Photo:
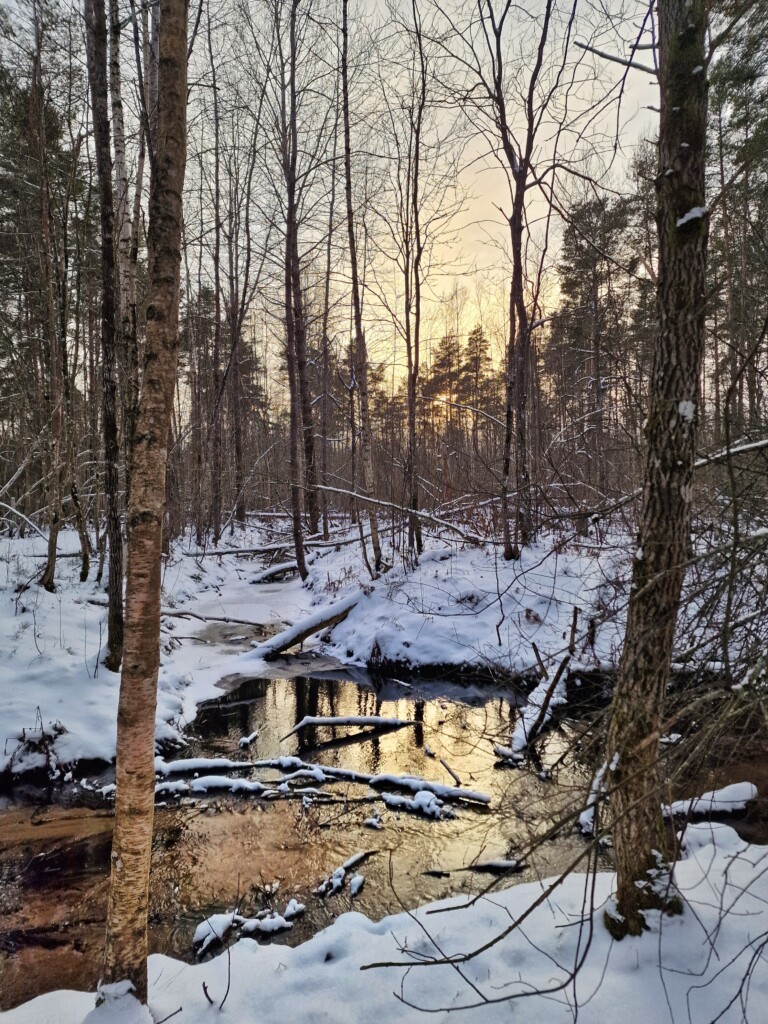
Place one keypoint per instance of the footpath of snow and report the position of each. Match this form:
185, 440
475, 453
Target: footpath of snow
708, 964
461, 605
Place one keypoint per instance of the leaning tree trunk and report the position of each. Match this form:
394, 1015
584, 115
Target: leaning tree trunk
640, 839
96, 23
126, 946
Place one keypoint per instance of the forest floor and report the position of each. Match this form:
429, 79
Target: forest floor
462, 606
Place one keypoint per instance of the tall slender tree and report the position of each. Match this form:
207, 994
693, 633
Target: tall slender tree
96, 27
126, 945
641, 842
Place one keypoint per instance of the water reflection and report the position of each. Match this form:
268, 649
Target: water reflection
212, 852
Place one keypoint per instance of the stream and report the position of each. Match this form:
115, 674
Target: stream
215, 851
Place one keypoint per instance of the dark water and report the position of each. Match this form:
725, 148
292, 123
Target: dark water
216, 851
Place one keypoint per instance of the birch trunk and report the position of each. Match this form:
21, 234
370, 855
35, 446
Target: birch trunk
126, 943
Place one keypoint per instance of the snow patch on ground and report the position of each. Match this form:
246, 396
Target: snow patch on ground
700, 966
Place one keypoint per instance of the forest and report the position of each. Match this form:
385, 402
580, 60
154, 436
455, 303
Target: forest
383, 511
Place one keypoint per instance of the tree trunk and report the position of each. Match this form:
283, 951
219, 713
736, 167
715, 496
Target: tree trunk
360, 348
216, 425
640, 838
326, 371
126, 944
96, 23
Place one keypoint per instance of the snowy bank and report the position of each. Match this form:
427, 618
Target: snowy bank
710, 963
460, 606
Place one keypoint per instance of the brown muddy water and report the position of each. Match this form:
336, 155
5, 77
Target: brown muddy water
217, 851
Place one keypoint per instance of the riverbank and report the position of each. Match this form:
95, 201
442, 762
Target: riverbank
462, 607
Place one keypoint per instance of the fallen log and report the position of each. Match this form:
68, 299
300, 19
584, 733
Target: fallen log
326, 617
274, 570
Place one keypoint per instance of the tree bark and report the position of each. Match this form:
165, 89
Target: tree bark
360, 348
640, 839
126, 943
96, 23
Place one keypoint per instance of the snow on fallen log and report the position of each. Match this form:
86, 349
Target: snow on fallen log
209, 782
324, 618
535, 715
274, 570
417, 785
197, 764
264, 925
214, 929
294, 769
303, 769
335, 881
717, 801
423, 802
246, 741
294, 909
375, 720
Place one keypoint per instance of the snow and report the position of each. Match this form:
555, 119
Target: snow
289, 637
695, 213
700, 966
213, 929
356, 885
246, 741
523, 732
423, 802
118, 1006
265, 925
196, 764
462, 606
686, 410
293, 909
498, 866
209, 782
587, 816
717, 801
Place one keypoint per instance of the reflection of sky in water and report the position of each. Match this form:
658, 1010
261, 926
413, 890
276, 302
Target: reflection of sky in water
217, 850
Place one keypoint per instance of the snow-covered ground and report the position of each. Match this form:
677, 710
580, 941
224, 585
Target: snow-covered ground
462, 605
709, 964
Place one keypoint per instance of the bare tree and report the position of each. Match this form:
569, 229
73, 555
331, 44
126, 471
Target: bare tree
641, 841
360, 348
96, 25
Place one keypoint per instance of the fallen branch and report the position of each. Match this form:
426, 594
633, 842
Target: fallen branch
543, 714
451, 772
470, 538
266, 549
173, 613
270, 549
376, 720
